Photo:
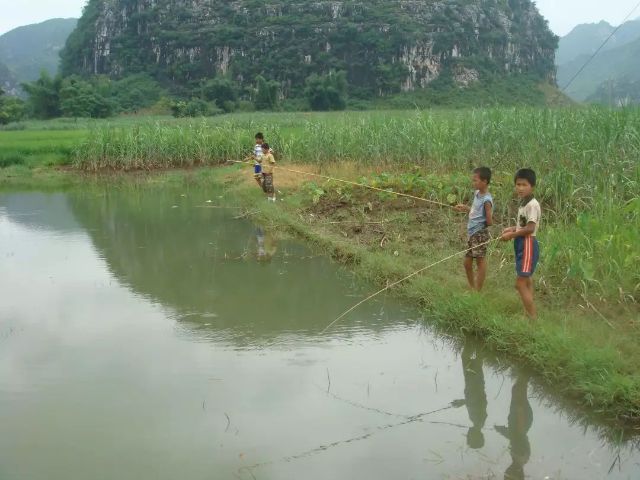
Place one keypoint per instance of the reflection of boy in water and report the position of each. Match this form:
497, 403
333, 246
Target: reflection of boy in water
266, 246
520, 421
475, 397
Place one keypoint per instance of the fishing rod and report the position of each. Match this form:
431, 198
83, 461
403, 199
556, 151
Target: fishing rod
349, 182
417, 272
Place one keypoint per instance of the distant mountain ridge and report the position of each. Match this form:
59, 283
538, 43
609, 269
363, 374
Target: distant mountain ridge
618, 63
586, 38
28, 50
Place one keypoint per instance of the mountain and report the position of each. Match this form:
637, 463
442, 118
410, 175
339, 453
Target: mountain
620, 93
28, 50
619, 65
616, 64
8, 82
383, 46
586, 38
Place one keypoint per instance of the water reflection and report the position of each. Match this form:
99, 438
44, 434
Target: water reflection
198, 262
40, 211
518, 424
475, 397
267, 246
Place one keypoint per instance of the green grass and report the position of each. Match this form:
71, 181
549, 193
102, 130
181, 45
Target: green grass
586, 157
38, 148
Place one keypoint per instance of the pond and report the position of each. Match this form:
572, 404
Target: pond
153, 335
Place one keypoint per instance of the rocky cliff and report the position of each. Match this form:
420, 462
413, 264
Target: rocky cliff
385, 46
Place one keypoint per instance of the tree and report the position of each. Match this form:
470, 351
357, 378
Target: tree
196, 107
135, 92
80, 98
222, 91
266, 93
327, 92
11, 109
44, 96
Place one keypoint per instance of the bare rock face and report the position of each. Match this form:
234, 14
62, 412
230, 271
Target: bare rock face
385, 46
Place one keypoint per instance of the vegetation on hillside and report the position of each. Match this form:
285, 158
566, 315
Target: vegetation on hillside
28, 50
8, 81
387, 55
11, 109
585, 39
100, 97
283, 55
620, 93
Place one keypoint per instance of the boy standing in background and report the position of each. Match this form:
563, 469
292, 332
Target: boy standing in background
268, 164
480, 219
524, 235
257, 157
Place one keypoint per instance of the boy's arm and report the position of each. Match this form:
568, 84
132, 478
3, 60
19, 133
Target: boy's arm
488, 212
511, 233
462, 208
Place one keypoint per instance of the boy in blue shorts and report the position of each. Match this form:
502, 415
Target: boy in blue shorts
257, 158
480, 219
524, 235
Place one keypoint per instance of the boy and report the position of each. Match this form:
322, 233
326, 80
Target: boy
257, 157
268, 164
524, 236
480, 219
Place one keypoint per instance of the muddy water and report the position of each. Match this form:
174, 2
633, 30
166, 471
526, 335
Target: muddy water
143, 337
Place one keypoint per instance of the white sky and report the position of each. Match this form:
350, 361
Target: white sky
563, 15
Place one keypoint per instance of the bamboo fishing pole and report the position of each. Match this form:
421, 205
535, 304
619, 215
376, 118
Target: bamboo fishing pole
417, 272
349, 182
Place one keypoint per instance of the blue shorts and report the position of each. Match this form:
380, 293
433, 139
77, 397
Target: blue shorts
527, 255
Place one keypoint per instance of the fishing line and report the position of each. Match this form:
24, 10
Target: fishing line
349, 182
417, 272
601, 47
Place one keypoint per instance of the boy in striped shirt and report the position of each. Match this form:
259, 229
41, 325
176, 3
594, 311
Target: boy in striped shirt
257, 158
524, 235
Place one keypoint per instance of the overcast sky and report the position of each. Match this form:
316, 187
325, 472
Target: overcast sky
563, 15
